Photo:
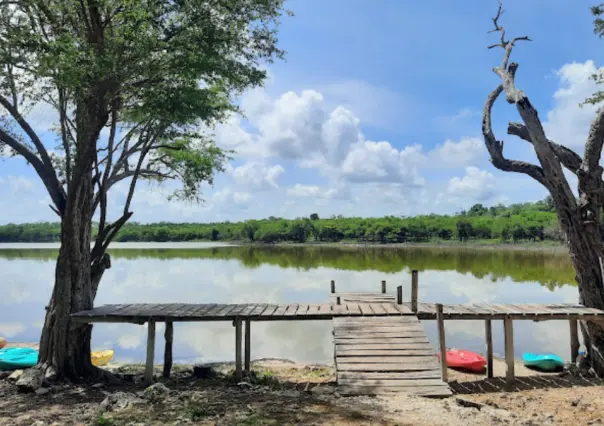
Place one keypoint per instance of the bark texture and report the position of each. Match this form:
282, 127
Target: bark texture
579, 215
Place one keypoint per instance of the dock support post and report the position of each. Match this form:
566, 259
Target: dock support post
238, 372
150, 352
169, 336
333, 286
399, 295
383, 287
441, 338
414, 290
508, 332
574, 340
338, 300
489, 341
248, 340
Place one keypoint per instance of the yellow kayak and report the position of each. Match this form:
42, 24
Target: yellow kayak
100, 358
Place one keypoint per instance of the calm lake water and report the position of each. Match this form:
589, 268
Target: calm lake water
206, 273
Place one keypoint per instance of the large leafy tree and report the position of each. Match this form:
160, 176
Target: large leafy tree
131, 82
579, 216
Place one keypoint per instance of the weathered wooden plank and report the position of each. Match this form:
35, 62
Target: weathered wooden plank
339, 310
270, 309
384, 376
383, 352
351, 345
377, 308
436, 391
394, 359
238, 309
354, 309
259, 309
344, 366
313, 309
225, 311
381, 340
359, 334
280, 310
392, 383
325, 308
390, 309
292, 310
213, 311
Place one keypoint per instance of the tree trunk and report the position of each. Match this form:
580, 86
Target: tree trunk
585, 248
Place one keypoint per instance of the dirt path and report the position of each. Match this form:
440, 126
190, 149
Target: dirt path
283, 393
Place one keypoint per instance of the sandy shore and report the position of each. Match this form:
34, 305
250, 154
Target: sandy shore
284, 393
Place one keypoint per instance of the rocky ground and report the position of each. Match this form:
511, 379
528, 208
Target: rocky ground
284, 393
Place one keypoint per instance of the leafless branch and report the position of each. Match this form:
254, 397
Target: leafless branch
495, 147
65, 136
569, 158
503, 43
595, 140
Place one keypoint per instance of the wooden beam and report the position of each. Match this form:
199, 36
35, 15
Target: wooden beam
238, 371
508, 332
399, 295
489, 341
574, 340
248, 349
333, 286
338, 300
150, 352
441, 339
383, 287
169, 336
414, 290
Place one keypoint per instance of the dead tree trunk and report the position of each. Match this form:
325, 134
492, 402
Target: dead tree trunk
579, 216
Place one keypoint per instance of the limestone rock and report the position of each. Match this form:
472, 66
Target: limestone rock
30, 381
155, 391
15, 375
119, 401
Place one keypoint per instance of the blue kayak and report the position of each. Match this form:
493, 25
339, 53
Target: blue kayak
544, 362
15, 358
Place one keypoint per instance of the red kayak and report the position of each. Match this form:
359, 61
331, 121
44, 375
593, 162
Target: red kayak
465, 360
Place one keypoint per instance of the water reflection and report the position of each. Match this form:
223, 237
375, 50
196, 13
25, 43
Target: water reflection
178, 273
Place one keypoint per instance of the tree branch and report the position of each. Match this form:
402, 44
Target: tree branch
569, 158
593, 146
495, 147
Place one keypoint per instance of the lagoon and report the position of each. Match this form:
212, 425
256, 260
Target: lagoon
221, 273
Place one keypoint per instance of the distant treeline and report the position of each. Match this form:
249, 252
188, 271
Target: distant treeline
515, 223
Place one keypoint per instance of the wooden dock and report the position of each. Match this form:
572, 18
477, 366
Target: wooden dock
379, 343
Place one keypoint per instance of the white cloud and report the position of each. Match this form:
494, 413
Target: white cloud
567, 123
381, 162
475, 185
257, 176
463, 153
18, 185
299, 190
11, 329
315, 191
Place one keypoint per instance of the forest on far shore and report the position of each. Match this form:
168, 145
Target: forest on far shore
514, 223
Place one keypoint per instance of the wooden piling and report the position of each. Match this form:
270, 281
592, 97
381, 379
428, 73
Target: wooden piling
338, 301
150, 352
333, 286
248, 340
440, 321
574, 340
489, 343
399, 295
414, 289
169, 336
238, 371
508, 332
383, 287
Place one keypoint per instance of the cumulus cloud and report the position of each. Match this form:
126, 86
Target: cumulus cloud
567, 123
315, 191
475, 185
381, 162
257, 176
459, 154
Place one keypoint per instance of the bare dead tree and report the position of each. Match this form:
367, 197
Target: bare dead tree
579, 217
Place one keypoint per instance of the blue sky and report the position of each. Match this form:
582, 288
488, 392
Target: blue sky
376, 111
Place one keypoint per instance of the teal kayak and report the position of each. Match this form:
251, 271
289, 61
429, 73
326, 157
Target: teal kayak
544, 362
15, 358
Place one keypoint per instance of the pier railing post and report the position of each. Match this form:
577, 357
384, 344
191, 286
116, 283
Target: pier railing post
508, 332
489, 341
399, 295
150, 352
383, 287
442, 343
169, 336
414, 289
238, 372
338, 301
248, 341
333, 286
574, 340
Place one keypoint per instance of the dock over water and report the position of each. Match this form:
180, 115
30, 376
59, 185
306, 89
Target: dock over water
379, 341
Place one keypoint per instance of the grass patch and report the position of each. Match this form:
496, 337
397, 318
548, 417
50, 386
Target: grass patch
101, 420
256, 420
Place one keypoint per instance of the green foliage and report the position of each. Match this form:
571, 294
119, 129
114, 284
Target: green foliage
598, 77
515, 223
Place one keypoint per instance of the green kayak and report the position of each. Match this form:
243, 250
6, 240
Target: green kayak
15, 358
